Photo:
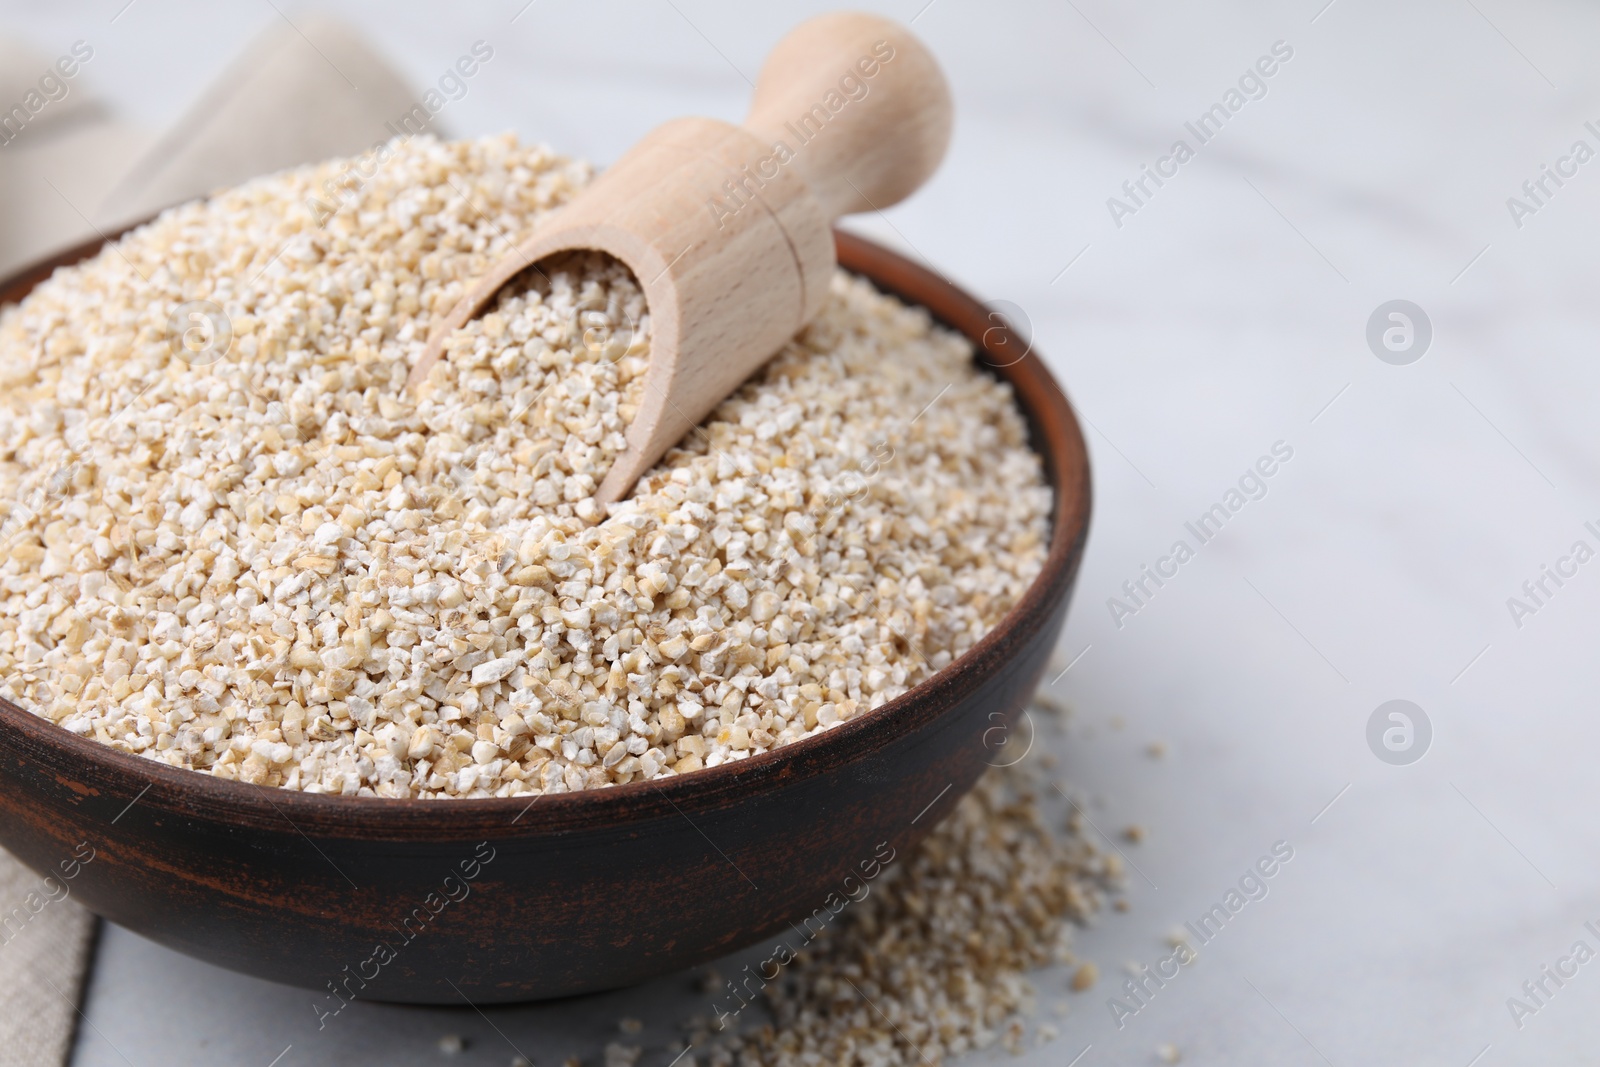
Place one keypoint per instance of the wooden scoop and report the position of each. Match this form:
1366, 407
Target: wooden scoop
728, 228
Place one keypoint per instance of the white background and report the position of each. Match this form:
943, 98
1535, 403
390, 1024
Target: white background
1224, 316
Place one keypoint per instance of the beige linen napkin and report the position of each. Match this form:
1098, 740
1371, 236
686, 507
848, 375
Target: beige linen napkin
302, 92
58, 164
44, 956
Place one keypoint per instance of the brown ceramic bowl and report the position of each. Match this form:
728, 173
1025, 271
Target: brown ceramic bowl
499, 900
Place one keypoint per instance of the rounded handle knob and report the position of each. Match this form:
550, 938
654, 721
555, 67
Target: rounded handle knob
861, 106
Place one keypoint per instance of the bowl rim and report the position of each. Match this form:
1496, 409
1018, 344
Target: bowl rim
1055, 436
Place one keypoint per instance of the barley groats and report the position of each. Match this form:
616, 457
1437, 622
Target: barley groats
930, 962
275, 564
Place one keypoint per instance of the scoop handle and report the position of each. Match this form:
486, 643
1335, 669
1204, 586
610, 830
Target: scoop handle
860, 106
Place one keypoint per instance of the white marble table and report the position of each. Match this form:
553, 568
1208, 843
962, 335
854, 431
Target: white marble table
1227, 312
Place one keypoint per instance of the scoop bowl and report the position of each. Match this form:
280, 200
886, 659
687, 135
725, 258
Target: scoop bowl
498, 900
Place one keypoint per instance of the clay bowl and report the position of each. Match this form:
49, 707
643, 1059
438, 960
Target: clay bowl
397, 899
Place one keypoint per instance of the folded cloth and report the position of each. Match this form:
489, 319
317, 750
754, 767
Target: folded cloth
300, 93
45, 87
303, 91
61, 151
45, 944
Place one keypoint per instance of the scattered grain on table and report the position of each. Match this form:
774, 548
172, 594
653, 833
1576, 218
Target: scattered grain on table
935, 961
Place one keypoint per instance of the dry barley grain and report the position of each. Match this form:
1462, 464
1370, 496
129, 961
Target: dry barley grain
934, 962
281, 567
